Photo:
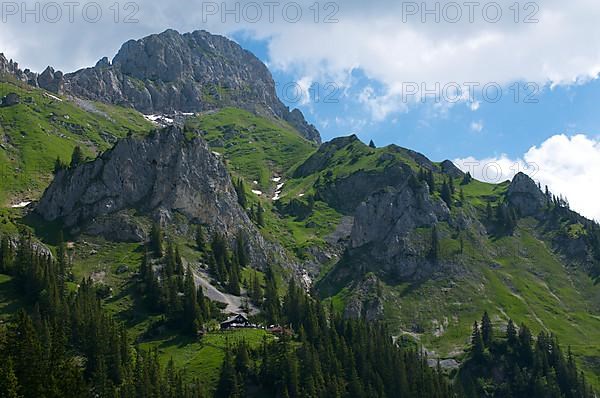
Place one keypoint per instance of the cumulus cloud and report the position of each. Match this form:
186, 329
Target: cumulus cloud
477, 126
567, 164
386, 42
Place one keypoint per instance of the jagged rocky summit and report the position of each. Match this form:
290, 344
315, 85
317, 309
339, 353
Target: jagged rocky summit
171, 72
165, 177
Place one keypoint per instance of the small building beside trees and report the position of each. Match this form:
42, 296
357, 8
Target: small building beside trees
236, 322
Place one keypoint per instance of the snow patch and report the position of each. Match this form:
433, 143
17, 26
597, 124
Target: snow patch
54, 97
21, 205
257, 192
276, 179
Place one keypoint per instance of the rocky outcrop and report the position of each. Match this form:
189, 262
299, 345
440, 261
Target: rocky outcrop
525, 195
450, 169
345, 194
164, 177
10, 99
366, 301
193, 72
49, 80
384, 225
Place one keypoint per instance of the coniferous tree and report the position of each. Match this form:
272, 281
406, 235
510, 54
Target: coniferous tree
260, 217
271, 304
487, 332
430, 182
200, 240
6, 255
76, 157
241, 252
476, 343
228, 385
58, 165
191, 310
467, 178
255, 289
446, 194
240, 190
156, 239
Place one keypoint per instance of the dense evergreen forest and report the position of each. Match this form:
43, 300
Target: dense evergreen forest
65, 345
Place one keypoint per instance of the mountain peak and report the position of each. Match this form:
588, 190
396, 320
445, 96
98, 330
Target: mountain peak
191, 72
525, 195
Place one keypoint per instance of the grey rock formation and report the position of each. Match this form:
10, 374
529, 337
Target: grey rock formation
525, 195
384, 225
366, 301
49, 80
450, 169
165, 177
10, 99
193, 72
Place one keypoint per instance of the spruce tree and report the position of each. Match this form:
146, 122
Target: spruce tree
430, 182
476, 343
156, 239
76, 157
446, 194
260, 218
191, 310
487, 332
58, 165
200, 240
240, 190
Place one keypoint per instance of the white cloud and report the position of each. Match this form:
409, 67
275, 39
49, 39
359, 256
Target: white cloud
562, 48
477, 126
474, 106
380, 106
567, 164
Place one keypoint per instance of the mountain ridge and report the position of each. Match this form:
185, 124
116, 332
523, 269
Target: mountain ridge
172, 72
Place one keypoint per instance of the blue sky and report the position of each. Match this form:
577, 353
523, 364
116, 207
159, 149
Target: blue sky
506, 127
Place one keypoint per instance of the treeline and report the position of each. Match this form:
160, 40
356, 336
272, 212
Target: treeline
327, 357
66, 345
515, 364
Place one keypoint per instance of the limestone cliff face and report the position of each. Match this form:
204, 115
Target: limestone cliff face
165, 176
189, 72
384, 225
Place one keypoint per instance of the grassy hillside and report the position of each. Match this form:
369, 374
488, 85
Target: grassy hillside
43, 127
255, 148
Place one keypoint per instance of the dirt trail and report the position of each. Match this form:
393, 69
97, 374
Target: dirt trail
234, 303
